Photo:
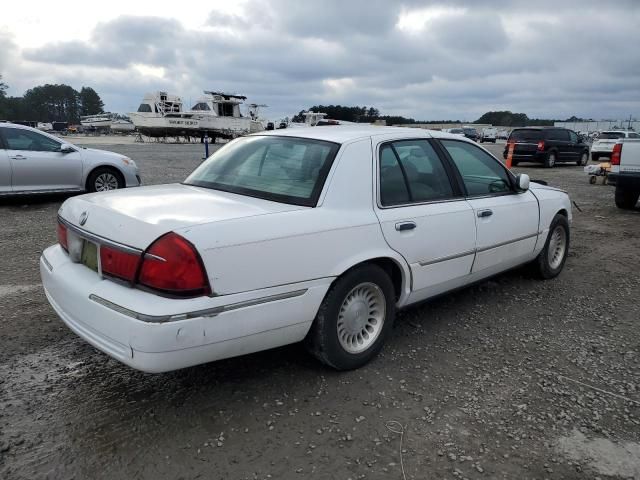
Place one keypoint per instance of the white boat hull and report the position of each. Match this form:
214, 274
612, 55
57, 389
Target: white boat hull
187, 124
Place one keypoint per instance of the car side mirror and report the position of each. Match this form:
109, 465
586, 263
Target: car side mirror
522, 181
66, 148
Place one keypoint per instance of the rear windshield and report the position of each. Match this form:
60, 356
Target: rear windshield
282, 169
526, 134
611, 135
456, 130
471, 131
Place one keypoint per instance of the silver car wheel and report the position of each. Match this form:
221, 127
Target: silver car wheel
557, 247
106, 181
552, 159
361, 317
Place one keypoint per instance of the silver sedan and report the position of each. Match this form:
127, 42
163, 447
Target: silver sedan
32, 161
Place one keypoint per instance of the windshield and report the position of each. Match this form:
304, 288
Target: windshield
282, 169
470, 131
456, 130
610, 135
526, 134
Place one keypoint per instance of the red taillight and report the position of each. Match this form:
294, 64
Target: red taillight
62, 235
616, 154
172, 265
118, 263
541, 145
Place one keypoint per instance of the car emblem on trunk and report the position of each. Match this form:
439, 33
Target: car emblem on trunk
83, 218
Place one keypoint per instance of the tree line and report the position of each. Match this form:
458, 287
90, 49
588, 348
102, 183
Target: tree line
371, 114
50, 103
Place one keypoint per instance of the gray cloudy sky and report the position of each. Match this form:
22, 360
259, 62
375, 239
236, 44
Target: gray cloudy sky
424, 59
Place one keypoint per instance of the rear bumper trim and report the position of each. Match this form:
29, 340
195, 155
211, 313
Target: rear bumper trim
209, 312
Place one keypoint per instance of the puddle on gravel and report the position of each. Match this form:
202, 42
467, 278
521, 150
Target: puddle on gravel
614, 459
6, 290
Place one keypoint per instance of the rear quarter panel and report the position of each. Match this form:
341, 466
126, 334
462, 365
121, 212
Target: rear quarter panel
551, 202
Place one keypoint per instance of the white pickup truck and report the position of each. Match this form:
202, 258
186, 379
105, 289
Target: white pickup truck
625, 172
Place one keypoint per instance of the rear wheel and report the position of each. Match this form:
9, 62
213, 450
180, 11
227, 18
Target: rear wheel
354, 319
584, 159
551, 259
550, 160
625, 198
104, 179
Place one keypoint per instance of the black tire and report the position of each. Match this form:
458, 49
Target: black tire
595, 157
544, 268
592, 179
323, 340
550, 160
105, 176
584, 159
625, 198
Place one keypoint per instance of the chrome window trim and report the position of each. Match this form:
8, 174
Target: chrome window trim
207, 312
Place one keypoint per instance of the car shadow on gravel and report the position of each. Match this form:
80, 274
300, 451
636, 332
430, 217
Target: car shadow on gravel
26, 201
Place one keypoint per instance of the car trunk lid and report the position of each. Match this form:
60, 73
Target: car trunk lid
136, 217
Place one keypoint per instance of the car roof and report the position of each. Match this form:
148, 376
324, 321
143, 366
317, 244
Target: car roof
16, 125
348, 133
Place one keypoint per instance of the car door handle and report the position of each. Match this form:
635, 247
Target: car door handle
485, 213
402, 226
18, 157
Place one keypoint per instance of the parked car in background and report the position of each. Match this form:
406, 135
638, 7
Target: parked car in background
489, 134
32, 161
625, 171
603, 146
455, 131
471, 133
314, 234
546, 145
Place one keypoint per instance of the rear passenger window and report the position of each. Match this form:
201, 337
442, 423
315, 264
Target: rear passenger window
412, 172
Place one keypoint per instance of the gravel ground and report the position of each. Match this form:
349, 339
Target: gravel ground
512, 378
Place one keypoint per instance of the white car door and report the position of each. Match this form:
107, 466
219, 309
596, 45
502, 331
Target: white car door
424, 215
38, 164
506, 219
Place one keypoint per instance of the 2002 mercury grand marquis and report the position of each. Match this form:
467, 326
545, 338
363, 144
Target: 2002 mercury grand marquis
316, 234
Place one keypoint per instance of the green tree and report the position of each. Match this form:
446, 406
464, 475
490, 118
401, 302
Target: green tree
90, 102
48, 103
3, 88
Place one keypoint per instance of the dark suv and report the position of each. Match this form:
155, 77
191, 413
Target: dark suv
471, 133
547, 145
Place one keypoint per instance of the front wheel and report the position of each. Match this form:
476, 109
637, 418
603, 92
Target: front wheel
625, 198
354, 319
104, 179
551, 259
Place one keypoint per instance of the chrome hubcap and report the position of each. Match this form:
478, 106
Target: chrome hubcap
552, 159
106, 181
361, 317
557, 246
584, 159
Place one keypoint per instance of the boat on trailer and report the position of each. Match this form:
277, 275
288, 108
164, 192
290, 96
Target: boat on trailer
97, 121
216, 114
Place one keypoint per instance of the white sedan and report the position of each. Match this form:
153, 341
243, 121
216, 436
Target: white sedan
32, 161
317, 234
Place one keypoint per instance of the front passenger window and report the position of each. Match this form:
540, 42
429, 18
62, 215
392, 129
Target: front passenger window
481, 173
